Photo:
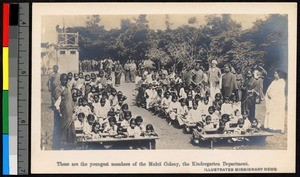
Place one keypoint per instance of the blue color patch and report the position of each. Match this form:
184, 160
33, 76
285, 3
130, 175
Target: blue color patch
5, 156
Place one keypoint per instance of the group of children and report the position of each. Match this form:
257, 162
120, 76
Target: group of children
191, 106
100, 110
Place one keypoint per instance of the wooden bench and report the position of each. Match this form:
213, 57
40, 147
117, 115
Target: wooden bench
210, 136
111, 139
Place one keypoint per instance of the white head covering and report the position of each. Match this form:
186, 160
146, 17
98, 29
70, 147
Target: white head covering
214, 62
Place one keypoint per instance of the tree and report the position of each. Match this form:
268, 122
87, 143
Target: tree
167, 22
159, 56
271, 35
192, 20
93, 21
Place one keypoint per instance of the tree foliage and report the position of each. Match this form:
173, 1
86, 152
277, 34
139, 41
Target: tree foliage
221, 38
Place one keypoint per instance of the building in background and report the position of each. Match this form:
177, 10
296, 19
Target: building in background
67, 52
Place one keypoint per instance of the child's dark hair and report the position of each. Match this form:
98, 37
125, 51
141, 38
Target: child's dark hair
127, 113
124, 106
138, 119
90, 117
225, 118
81, 114
218, 95
240, 121
112, 120
208, 117
212, 107
94, 125
221, 123
120, 129
149, 127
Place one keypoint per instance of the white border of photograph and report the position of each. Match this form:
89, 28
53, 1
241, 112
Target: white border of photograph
46, 161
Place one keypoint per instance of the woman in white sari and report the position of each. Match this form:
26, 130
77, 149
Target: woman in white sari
275, 104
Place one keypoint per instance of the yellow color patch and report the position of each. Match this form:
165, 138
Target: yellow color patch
5, 68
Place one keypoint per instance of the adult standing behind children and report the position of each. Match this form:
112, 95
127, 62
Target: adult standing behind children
249, 94
53, 82
127, 71
64, 110
275, 103
198, 75
214, 77
118, 73
228, 82
259, 73
132, 71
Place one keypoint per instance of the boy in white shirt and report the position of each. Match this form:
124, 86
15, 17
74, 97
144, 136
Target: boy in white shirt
226, 107
165, 104
173, 108
182, 112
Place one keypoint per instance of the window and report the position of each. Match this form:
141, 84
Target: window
73, 52
62, 52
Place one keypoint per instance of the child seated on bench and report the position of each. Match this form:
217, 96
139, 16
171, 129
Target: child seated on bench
239, 130
214, 116
226, 119
96, 129
197, 132
131, 131
124, 121
255, 126
82, 107
247, 123
226, 107
87, 127
121, 133
140, 127
113, 126
222, 128
193, 115
150, 130
79, 122
208, 126
217, 103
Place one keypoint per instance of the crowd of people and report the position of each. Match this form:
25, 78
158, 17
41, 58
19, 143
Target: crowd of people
219, 100
89, 104
206, 101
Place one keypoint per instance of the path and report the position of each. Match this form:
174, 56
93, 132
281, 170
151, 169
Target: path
169, 137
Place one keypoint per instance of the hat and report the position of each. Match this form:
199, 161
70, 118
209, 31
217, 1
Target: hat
214, 62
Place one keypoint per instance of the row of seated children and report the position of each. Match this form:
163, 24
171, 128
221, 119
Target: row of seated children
126, 126
99, 107
188, 110
243, 126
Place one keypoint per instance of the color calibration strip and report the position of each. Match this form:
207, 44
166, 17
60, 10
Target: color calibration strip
5, 91
10, 89
13, 89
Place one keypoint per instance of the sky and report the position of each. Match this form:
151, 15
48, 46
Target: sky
155, 22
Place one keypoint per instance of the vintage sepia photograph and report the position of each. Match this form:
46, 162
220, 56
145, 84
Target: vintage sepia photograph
144, 81
163, 88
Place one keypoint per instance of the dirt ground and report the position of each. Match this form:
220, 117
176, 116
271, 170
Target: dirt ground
169, 136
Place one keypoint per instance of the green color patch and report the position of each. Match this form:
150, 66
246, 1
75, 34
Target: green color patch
5, 112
